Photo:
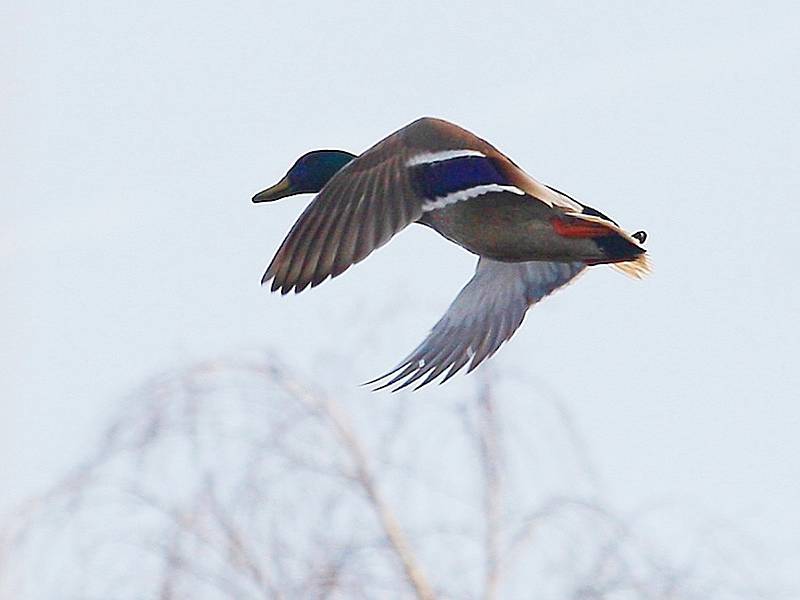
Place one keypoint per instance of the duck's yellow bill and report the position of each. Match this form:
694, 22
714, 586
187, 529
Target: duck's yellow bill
280, 190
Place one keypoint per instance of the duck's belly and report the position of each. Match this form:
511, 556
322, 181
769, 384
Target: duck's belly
508, 227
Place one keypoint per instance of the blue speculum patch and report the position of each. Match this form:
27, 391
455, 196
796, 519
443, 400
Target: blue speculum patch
438, 179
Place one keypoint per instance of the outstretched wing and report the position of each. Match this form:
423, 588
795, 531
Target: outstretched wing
486, 313
423, 166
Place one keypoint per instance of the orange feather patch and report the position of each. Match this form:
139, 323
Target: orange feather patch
578, 228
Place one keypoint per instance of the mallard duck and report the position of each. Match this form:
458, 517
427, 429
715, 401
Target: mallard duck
530, 238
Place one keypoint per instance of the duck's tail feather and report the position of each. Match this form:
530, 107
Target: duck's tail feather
638, 268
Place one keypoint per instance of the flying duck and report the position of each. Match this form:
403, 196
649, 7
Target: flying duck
530, 238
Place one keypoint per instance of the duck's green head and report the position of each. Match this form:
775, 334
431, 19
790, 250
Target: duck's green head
308, 175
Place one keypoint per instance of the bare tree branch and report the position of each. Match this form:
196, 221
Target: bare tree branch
489, 443
238, 479
391, 525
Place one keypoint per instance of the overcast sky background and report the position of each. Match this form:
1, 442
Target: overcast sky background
134, 137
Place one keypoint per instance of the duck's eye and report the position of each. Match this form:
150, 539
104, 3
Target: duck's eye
641, 236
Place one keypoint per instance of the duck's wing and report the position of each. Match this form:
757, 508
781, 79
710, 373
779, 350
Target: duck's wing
423, 166
486, 313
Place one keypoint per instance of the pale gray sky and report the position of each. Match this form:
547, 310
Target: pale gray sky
133, 138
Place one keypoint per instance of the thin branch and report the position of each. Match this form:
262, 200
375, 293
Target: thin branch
489, 443
240, 555
389, 522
